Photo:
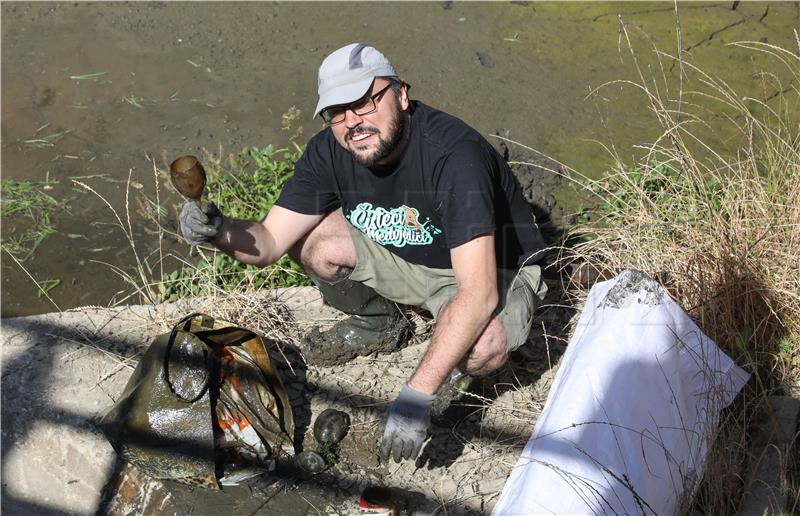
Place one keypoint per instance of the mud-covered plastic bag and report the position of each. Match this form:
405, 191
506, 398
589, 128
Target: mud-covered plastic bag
203, 407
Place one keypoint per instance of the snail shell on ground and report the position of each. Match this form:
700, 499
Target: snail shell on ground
331, 426
310, 461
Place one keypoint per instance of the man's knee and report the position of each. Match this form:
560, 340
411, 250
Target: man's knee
326, 250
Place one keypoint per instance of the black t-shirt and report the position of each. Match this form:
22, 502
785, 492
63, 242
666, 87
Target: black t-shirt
448, 187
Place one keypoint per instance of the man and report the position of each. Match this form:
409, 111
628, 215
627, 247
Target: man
396, 200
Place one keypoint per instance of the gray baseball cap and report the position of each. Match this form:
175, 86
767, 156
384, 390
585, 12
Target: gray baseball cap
346, 74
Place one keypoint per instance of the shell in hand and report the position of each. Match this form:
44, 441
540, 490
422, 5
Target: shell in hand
188, 177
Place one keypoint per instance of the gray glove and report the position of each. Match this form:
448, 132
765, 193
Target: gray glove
406, 425
200, 225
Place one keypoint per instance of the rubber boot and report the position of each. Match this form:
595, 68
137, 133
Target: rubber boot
375, 325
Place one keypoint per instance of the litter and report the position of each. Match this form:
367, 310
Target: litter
203, 407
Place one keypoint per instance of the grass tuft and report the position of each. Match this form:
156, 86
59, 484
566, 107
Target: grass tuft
722, 233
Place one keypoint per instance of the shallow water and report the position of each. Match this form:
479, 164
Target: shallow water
177, 77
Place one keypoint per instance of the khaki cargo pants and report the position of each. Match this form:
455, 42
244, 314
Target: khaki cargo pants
520, 292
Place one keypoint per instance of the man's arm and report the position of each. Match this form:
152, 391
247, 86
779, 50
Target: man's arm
459, 325
263, 243
464, 317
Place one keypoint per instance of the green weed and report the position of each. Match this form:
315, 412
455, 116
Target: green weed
46, 141
133, 100
46, 285
789, 352
87, 77
743, 344
26, 197
243, 186
29, 210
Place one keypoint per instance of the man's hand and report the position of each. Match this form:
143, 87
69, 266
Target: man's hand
200, 225
406, 425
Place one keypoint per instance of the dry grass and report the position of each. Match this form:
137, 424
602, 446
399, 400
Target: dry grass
721, 231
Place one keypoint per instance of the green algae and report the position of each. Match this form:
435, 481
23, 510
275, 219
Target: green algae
584, 47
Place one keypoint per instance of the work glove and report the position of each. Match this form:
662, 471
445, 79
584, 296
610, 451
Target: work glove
406, 425
200, 225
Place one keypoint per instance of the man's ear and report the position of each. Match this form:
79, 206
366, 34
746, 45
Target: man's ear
402, 96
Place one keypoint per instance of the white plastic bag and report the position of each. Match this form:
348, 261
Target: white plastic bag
627, 420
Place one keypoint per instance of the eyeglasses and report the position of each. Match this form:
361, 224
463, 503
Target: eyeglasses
364, 106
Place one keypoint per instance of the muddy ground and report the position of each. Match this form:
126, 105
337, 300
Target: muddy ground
63, 371
91, 90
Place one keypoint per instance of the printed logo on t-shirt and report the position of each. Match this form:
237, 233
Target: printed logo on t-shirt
396, 226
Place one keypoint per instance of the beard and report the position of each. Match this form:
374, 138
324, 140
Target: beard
385, 146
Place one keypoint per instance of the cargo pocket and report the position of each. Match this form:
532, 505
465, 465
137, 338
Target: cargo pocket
517, 315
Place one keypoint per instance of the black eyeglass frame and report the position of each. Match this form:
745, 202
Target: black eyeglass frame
342, 109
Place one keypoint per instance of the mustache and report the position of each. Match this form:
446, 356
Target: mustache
355, 131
